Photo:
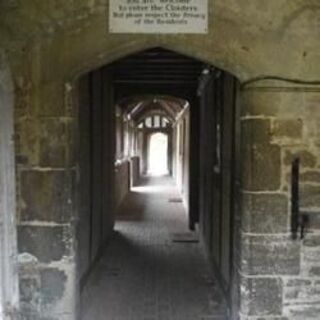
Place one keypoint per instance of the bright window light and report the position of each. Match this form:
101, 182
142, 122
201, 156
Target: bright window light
158, 154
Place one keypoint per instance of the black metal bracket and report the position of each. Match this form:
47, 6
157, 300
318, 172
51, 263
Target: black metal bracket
299, 220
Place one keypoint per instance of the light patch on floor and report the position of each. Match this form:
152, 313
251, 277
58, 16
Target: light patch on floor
150, 189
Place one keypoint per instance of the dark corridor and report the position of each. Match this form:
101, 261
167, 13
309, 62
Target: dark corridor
122, 106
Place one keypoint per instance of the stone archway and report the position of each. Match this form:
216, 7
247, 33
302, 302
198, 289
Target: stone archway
97, 75
8, 242
249, 40
58, 272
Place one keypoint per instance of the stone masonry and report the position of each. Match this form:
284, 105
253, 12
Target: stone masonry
280, 276
50, 44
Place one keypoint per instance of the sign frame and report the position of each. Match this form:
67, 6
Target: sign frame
158, 16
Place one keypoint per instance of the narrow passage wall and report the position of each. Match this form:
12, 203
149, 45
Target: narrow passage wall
181, 136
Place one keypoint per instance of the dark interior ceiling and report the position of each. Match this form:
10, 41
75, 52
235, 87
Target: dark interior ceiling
156, 71
157, 66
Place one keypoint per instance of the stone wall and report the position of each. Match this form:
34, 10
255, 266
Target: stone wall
249, 39
49, 173
279, 276
9, 295
45, 125
50, 44
46, 175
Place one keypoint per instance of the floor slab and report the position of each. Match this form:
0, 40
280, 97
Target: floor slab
144, 273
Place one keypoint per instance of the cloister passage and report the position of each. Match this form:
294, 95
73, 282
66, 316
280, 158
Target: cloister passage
157, 247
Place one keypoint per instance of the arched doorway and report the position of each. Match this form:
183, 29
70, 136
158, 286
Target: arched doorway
122, 104
240, 39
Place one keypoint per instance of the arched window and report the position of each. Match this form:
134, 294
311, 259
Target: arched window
154, 122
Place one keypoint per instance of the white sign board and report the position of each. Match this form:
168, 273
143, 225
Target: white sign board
158, 16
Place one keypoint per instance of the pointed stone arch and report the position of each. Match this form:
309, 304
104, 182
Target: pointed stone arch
106, 55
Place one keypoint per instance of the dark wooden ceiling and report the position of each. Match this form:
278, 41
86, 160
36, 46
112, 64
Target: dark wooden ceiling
157, 68
156, 74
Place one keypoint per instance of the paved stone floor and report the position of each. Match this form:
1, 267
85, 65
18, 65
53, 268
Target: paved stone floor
144, 274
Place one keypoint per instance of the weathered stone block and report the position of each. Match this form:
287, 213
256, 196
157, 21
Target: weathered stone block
51, 100
311, 256
313, 220
311, 105
303, 311
256, 131
307, 159
27, 141
272, 103
314, 271
261, 169
23, 97
312, 241
71, 150
270, 255
316, 135
287, 130
26, 314
53, 143
310, 196
261, 164
29, 287
312, 245
261, 297
9, 3
265, 213
47, 244
300, 291
310, 176
47, 195
53, 282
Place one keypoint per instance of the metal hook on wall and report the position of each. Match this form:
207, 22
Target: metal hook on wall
299, 220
